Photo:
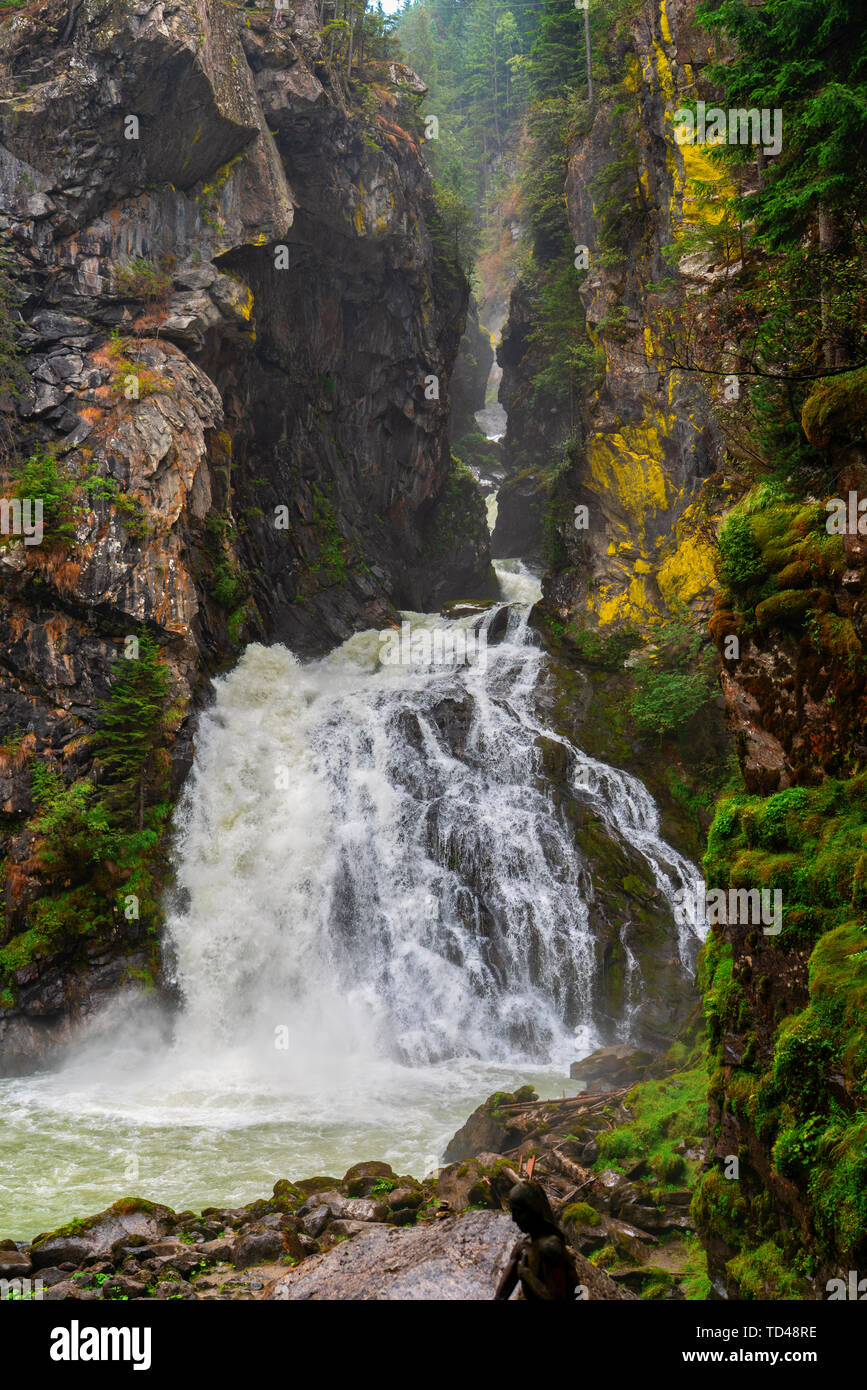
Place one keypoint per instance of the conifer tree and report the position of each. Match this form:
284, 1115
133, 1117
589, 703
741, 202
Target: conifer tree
132, 729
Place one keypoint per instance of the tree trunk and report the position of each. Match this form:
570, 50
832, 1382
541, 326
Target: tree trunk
349, 49
828, 241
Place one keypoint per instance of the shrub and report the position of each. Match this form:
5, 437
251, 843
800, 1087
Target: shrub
666, 700
740, 556
143, 279
40, 479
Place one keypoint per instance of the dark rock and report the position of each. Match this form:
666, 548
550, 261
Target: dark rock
610, 1068
405, 1197
14, 1264
315, 1221
98, 1236
361, 1178
258, 1247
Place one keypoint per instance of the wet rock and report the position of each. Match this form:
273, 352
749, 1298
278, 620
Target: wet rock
487, 1129
14, 1264
405, 1198
361, 1178
314, 1221
52, 1275
62, 1290
461, 1258
96, 1237
258, 1247
465, 1184
610, 1068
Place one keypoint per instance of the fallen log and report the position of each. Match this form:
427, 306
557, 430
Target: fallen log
580, 1102
568, 1168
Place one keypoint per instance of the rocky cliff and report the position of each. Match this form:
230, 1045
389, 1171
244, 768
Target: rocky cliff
631, 440
238, 318
689, 524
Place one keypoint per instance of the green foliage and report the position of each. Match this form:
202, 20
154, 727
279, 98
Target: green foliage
130, 737
666, 700
143, 279
811, 61
227, 585
666, 1112
809, 842
765, 1272
40, 478
95, 847
740, 556
606, 650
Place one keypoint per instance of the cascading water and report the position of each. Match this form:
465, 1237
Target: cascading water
382, 917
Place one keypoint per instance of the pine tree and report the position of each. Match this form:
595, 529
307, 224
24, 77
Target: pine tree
810, 61
131, 732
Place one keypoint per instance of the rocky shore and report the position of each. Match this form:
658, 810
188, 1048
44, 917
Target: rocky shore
376, 1234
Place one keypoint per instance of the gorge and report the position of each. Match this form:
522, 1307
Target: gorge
287, 891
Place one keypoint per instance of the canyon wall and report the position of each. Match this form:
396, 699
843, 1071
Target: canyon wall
238, 315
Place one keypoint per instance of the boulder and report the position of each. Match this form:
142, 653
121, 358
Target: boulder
609, 1068
14, 1264
484, 1131
260, 1247
405, 1199
361, 1178
461, 1258
462, 1185
95, 1237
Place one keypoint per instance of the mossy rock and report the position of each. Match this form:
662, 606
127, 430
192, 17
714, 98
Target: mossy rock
836, 409
788, 607
308, 1186
581, 1214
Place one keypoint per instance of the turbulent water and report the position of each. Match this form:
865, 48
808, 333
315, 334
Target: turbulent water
382, 917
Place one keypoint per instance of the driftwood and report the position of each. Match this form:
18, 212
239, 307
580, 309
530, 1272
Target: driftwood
582, 1176
581, 1102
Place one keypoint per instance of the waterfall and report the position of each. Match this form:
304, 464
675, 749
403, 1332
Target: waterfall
372, 862
382, 916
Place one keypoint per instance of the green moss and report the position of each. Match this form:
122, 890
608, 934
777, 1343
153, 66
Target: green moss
666, 1112
835, 407
740, 556
809, 1105
765, 1273
582, 1214
787, 607
719, 1209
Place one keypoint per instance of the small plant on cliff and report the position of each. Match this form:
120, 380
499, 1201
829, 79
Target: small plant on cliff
40, 479
143, 279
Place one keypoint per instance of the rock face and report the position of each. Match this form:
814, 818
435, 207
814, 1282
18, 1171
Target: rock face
232, 295
641, 438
